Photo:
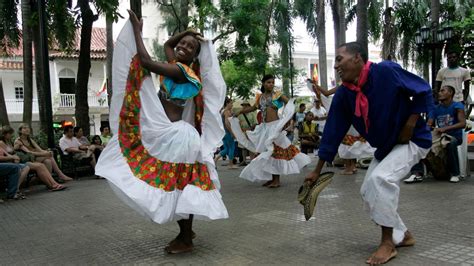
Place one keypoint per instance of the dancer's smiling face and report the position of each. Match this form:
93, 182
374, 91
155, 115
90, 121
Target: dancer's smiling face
348, 65
187, 49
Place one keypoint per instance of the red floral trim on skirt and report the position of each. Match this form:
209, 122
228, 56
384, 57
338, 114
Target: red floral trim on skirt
349, 140
285, 154
164, 175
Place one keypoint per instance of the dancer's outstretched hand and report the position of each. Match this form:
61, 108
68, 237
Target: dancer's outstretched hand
136, 23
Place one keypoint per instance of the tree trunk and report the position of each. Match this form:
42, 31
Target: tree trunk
27, 63
321, 36
285, 63
83, 70
136, 6
426, 66
338, 16
39, 77
3, 107
435, 9
110, 54
362, 24
389, 36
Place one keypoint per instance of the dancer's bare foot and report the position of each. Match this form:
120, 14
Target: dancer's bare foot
274, 185
347, 172
178, 246
385, 252
266, 184
407, 241
179, 236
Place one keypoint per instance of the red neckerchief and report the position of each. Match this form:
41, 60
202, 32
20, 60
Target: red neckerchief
362, 103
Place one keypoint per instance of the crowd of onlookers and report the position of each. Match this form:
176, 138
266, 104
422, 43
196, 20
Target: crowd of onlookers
23, 161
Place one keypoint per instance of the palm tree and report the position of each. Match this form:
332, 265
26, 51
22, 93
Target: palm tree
110, 53
283, 27
27, 62
82, 81
312, 12
362, 23
338, 17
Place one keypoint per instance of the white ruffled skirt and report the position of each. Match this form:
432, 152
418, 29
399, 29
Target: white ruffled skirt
358, 150
277, 155
162, 169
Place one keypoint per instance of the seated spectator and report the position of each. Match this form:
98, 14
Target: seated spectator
6, 147
105, 135
308, 134
10, 171
449, 118
79, 134
98, 146
29, 151
69, 144
320, 115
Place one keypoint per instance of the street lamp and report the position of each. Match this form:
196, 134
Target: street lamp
435, 42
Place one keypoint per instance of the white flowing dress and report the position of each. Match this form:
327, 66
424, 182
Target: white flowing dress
163, 169
277, 155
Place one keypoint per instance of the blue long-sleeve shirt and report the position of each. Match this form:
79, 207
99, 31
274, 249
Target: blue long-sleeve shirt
393, 94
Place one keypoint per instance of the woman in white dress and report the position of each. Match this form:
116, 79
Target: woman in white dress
277, 155
160, 158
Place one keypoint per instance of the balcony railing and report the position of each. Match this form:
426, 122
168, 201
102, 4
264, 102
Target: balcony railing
15, 106
69, 100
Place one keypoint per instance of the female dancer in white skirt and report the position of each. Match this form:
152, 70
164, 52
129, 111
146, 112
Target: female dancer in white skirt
353, 146
160, 159
277, 155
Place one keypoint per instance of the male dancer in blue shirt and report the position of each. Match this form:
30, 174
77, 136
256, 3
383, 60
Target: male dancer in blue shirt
383, 102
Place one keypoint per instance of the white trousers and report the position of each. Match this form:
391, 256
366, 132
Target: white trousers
381, 188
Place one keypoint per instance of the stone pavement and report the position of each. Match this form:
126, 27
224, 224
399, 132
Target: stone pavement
88, 224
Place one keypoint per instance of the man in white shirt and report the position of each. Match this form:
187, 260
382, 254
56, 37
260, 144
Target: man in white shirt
69, 144
455, 76
320, 114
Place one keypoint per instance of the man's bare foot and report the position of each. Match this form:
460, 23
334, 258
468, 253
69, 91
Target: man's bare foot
385, 252
407, 241
178, 246
266, 184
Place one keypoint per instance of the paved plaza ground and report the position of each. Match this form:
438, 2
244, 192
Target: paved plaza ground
88, 224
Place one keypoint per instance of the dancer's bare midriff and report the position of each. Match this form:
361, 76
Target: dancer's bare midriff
173, 111
271, 114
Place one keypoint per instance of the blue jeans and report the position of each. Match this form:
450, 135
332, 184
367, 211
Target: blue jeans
12, 172
452, 154
229, 146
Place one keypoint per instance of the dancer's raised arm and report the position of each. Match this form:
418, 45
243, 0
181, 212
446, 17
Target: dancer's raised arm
165, 69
